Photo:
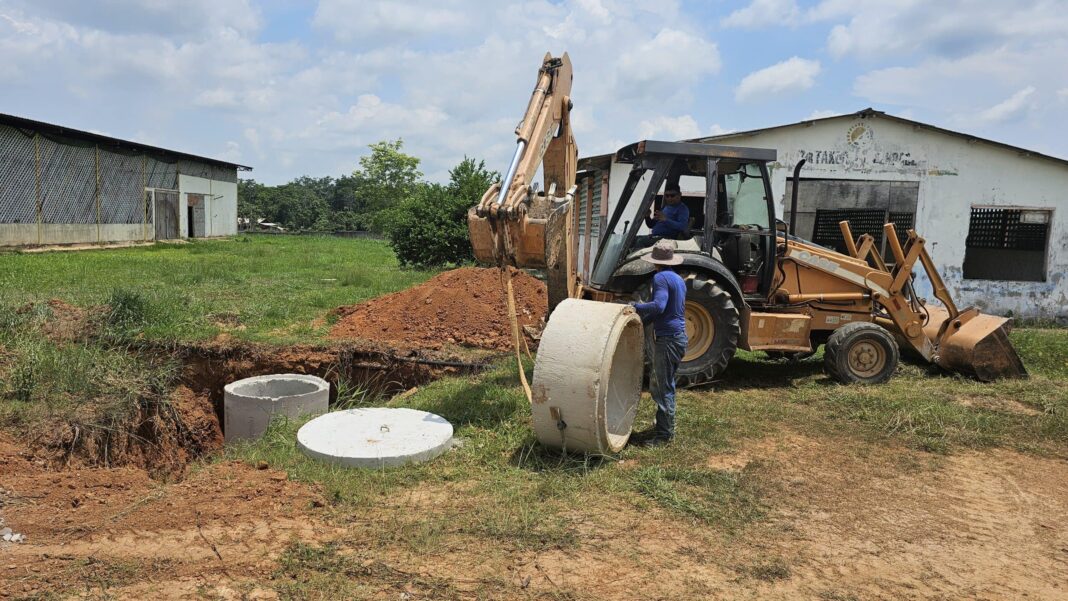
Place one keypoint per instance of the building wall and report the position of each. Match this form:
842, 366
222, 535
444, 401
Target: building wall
220, 200
953, 175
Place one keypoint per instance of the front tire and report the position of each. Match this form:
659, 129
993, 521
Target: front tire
861, 353
712, 327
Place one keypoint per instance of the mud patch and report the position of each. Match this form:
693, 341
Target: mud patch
463, 307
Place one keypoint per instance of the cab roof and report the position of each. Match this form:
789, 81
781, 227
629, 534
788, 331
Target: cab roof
648, 148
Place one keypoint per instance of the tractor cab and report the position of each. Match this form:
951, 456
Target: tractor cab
731, 229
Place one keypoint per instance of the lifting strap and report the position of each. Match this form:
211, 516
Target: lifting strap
518, 340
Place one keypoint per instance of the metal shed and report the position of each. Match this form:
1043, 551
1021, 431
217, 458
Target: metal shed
63, 186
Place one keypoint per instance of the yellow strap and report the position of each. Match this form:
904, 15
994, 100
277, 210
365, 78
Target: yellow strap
517, 337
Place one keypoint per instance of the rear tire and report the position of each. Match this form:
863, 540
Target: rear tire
861, 353
713, 328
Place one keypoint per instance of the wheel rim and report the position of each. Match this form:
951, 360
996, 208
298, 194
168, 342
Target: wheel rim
866, 358
700, 330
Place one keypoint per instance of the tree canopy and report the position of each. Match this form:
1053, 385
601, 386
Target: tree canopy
426, 223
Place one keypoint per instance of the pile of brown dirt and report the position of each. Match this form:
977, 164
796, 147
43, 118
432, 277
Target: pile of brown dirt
464, 306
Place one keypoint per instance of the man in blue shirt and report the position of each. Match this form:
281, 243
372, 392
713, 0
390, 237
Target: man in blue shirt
672, 221
666, 310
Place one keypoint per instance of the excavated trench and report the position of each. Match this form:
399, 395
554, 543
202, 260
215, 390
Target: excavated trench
165, 437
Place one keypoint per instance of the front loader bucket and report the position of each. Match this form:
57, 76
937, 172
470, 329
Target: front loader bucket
975, 344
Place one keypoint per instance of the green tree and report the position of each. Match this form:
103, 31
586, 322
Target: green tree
429, 228
385, 177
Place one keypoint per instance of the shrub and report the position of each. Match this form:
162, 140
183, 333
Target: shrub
429, 227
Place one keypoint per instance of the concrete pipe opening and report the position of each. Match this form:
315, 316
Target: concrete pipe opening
587, 377
249, 404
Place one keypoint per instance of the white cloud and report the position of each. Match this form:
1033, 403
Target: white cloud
764, 13
231, 152
155, 17
373, 118
217, 97
451, 77
877, 29
670, 128
1010, 108
818, 114
660, 67
385, 20
1062, 93
718, 130
791, 75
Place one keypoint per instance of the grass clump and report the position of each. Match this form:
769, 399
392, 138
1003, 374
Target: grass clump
331, 571
726, 499
74, 393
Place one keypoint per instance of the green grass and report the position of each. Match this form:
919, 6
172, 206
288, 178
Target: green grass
258, 288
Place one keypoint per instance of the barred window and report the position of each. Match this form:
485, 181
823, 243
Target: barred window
1007, 244
828, 233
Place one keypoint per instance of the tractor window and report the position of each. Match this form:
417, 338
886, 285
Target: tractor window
625, 217
746, 204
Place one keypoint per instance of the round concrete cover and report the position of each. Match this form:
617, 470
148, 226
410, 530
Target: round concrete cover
376, 437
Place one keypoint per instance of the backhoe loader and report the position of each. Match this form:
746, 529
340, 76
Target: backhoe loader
751, 283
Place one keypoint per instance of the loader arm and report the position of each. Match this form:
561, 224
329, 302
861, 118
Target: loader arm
514, 225
959, 340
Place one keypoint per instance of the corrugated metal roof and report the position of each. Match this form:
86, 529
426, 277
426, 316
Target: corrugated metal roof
870, 112
107, 141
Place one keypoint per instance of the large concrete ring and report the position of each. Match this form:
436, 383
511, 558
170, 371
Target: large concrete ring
588, 377
249, 404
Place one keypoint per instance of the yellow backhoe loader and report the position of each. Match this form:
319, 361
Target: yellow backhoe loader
751, 284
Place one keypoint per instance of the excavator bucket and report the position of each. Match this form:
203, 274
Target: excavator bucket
519, 242
975, 344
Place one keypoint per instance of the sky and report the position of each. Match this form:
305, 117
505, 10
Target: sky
299, 87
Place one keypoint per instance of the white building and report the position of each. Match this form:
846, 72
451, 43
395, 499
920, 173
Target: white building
995, 216
62, 186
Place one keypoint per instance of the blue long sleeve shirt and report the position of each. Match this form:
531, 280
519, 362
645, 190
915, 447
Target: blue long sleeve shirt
667, 309
676, 221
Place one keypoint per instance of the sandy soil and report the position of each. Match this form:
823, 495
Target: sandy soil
845, 521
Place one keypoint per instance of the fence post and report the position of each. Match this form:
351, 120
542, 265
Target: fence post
144, 202
98, 194
37, 169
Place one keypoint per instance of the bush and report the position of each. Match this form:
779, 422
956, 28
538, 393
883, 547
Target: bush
429, 228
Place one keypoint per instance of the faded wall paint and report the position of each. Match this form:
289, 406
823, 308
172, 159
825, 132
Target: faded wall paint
220, 199
952, 173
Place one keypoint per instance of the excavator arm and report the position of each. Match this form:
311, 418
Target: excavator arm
515, 224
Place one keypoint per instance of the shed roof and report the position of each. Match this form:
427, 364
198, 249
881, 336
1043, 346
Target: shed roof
870, 112
108, 141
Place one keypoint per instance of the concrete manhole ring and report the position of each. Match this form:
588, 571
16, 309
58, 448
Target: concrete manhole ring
249, 404
375, 437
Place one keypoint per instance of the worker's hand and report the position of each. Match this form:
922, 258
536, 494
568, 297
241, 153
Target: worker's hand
659, 216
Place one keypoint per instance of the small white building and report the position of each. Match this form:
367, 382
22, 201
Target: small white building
64, 186
995, 216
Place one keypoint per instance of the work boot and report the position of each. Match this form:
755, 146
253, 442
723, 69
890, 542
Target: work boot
658, 439
637, 438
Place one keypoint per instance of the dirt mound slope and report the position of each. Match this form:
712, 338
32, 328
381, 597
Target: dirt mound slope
463, 307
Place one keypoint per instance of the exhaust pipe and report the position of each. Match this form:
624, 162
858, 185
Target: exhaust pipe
793, 199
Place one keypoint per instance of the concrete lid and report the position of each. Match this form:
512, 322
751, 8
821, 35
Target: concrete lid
375, 437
